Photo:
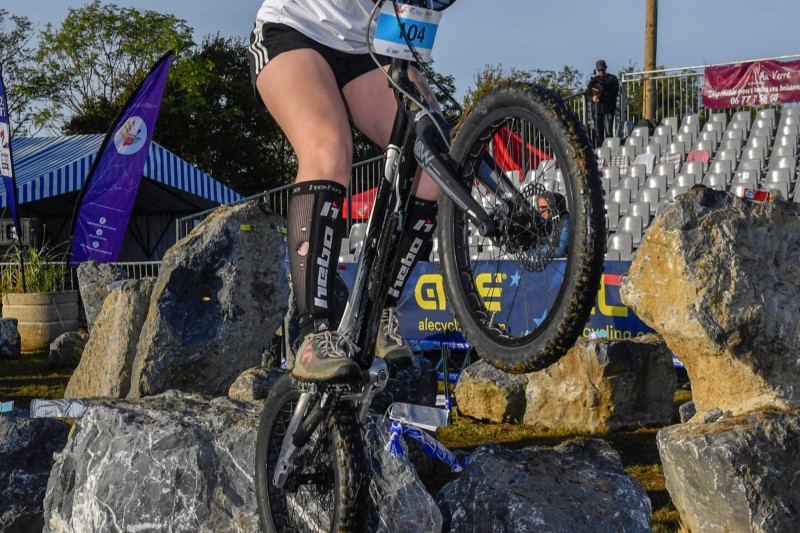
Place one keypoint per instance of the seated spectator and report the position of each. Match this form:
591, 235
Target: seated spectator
552, 206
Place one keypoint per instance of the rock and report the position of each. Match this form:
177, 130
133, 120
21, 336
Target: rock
718, 277
10, 343
254, 384
604, 385
578, 486
398, 499
105, 367
173, 462
93, 281
486, 393
26, 457
66, 350
687, 411
738, 474
221, 292
417, 384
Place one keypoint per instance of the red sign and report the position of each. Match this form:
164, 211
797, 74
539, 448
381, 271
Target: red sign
751, 84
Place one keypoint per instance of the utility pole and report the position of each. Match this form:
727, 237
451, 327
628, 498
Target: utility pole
650, 38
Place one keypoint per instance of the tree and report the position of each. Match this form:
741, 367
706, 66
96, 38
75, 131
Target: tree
16, 57
94, 60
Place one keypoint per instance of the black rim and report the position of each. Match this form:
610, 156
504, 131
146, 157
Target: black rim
514, 280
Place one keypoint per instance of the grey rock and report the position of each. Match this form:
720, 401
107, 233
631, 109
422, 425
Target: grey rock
417, 384
93, 281
604, 385
10, 342
687, 411
26, 457
66, 350
221, 293
398, 499
254, 384
578, 486
105, 367
173, 462
712, 415
738, 474
729, 311
486, 393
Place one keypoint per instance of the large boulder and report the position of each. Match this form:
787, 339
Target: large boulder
718, 277
67, 349
604, 385
254, 383
105, 366
93, 281
220, 294
173, 462
10, 342
486, 393
578, 486
26, 457
736, 474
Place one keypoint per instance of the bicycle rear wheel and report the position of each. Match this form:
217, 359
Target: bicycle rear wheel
328, 489
518, 303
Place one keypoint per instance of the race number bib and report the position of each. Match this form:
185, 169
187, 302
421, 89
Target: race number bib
419, 25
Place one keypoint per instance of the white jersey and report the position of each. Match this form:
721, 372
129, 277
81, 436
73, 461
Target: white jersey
337, 24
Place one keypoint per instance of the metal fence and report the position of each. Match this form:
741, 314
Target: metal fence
133, 270
365, 176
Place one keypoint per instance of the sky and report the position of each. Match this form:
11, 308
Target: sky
533, 34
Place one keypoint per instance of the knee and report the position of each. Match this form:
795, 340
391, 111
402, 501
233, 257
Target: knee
326, 158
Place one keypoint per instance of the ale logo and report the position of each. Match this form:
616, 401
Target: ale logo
131, 136
429, 291
490, 289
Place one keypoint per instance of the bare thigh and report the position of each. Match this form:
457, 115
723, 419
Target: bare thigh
300, 92
372, 107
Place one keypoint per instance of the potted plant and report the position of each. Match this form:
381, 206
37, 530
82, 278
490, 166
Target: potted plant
33, 285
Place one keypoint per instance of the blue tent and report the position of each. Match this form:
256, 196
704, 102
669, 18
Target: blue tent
50, 172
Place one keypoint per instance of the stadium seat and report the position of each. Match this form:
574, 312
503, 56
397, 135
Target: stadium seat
641, 131
650, 195
785, 162
754, 153
674, 191
629, 150
734, 144
637, 171
724, 167
748, 178
551, 185
345, 253
788, 129
742, 116
694, 167
661, 140
726, 154
612, 255
779, 187
786, 140
710, 136
653, 148
718, 128
691, 120
612, 215
604, 155
708, 146
621, 196
357, 233
718, 182
612, 175
791, 111
657, 181
739, 125
665, 169
686, 138
641, 210
685, 180
677, 148
760, 129
783, 151
774, 175
672, 122
768, 113
636, 141
722, 118
622, 243
753, 166
630, 182
663, 130
632, 225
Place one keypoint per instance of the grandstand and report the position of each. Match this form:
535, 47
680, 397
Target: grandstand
749, 149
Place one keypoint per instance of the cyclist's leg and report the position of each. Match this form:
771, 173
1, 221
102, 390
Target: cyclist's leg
375, 119
300, 91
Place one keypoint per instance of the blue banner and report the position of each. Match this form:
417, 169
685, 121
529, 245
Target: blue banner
6, 161
110, 189
427, 321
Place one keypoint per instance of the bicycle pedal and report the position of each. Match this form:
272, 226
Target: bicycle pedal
420, 416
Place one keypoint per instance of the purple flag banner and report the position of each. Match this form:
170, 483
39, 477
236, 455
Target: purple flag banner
109, 191
750, 84
6, 162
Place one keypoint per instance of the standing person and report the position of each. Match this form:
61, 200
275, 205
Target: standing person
603, 89
310, 67
552, 206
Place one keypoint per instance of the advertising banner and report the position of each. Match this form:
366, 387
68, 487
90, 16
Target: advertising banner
751, 84
110, 189
6, 161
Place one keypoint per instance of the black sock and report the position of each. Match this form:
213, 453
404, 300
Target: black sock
417, 235
314, 237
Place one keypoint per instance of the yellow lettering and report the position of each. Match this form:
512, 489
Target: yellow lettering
429, 292
489, 291
605, 308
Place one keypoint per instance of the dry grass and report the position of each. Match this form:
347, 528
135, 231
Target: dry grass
29, 377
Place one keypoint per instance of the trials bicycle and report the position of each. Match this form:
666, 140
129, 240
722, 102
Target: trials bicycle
518, 306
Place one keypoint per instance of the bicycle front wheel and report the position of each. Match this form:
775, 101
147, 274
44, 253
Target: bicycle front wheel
523, 296
327, 491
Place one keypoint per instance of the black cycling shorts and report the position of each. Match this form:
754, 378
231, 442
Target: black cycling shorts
272, 39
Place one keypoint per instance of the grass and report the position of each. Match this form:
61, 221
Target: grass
30, 376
